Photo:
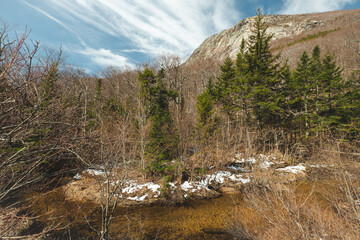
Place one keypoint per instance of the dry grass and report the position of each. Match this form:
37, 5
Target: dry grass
325, 205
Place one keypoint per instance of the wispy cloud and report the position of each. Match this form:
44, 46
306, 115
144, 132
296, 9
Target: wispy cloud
105, 57
154, 27
307, 6
49, 16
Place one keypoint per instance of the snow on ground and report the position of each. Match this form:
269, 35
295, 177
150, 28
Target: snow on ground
138, 199
265, 161
132, 186
77, 176
95, 172
300, 168
135, 191
239, 159
218, 177
266, 164
320, 165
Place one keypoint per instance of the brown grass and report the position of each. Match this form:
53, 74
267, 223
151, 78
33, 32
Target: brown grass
322, 206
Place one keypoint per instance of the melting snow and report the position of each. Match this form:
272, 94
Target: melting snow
320, 165
293, 169
138, 199
134, 187
77, 176
95, 172
266, 164
186, 186
218, 177
239, 159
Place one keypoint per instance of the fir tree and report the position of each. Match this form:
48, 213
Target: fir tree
263, 73
332, 88
163, 140
224, 85
207, 120
302, 88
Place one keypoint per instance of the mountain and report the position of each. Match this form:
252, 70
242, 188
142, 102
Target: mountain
336, 32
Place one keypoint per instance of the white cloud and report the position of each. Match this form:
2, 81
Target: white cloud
153, 27
308, 6
49, 16
105, 57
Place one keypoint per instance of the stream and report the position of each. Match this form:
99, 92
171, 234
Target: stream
196, 219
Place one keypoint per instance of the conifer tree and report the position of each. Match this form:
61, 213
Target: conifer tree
207, 119
316, 68
263, 73
163, 139
332, 88
224, 85
302, 87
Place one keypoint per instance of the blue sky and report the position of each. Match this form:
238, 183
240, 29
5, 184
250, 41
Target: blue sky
95, 34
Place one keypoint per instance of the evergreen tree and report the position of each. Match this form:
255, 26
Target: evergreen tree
332, 88
207, 121
351, 111
224, 86
316, 69
163, 139
302, 88
263, 75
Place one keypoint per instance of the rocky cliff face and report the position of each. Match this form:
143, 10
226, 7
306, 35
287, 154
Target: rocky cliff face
336, 32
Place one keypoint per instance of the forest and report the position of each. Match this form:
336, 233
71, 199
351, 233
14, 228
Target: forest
169, 122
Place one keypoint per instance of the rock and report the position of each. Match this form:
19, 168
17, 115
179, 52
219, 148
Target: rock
290, 34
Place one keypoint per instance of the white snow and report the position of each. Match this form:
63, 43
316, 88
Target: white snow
234, 168
239, 159
218, 177
320, 165
138, 199
250, 160
266, 164
134, 187
300, 168
153, 187
95, 172
186, 186
77, 176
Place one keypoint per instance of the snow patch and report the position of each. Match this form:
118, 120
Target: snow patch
320, 165
293, 169
266, 164
95, 172
239, 159
218, 177
133, 186
138, 199
77, 176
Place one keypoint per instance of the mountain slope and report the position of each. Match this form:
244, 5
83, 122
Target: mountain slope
336, 32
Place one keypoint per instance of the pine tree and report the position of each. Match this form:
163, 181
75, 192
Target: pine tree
224, 86
332, 88
263, 73
207, 120
163, 138
302, 88
351, 110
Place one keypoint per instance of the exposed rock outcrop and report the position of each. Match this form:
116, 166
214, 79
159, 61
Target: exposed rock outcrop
336, 32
